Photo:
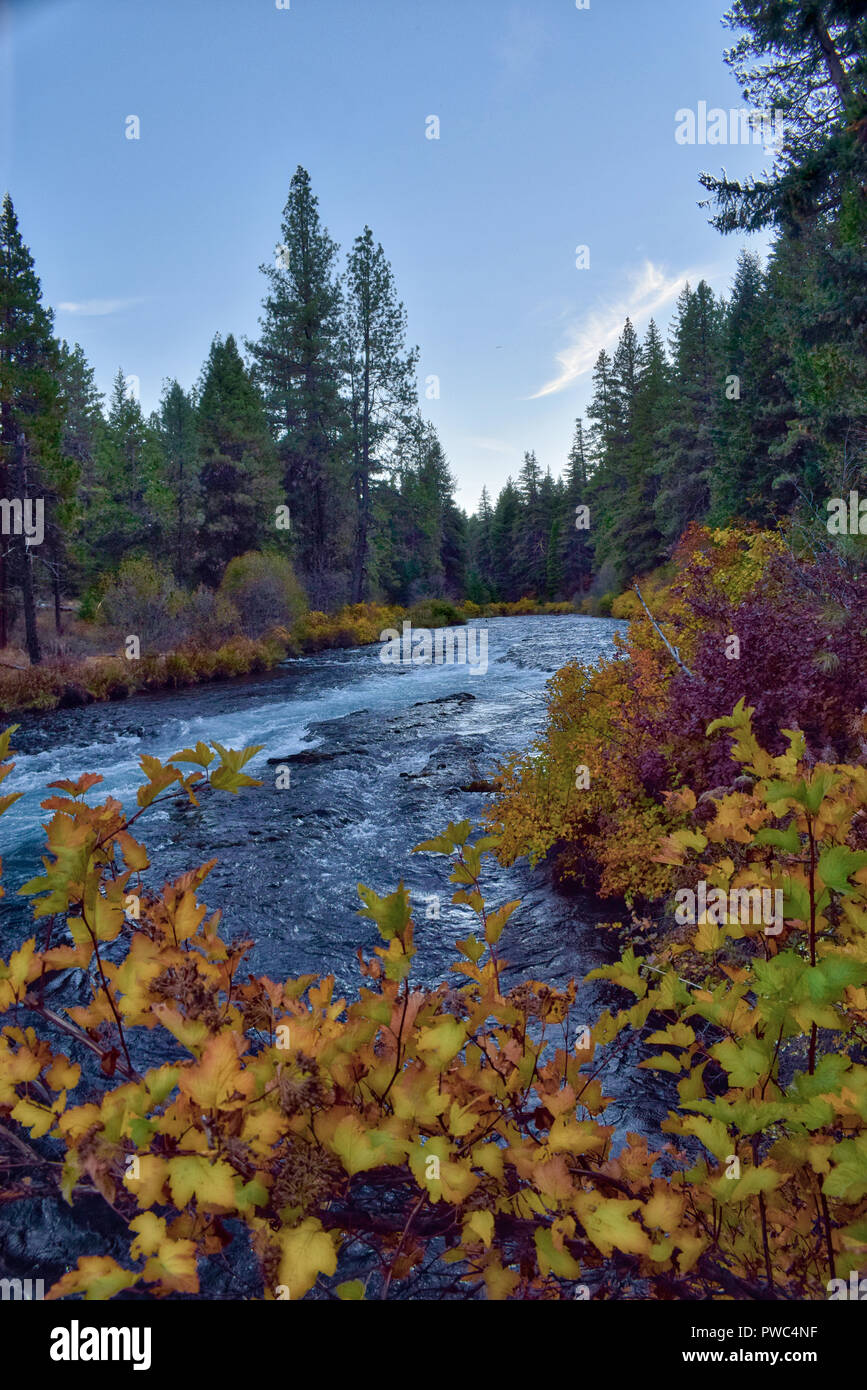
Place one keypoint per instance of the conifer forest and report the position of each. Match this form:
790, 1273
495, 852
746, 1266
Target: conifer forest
433, 668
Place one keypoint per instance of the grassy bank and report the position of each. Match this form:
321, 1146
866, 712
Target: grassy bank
66, 681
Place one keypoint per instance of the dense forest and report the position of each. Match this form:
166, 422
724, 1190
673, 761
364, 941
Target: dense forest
313, 448
309, 442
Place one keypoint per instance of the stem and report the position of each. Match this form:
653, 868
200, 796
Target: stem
403, 1236
812, 882
109, 996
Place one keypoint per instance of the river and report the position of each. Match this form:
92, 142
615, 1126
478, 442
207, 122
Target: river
379, 757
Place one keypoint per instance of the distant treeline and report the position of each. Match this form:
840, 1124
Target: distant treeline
311, 443
757, 409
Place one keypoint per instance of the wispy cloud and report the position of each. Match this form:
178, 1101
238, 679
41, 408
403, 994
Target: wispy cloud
651, 289
93, 308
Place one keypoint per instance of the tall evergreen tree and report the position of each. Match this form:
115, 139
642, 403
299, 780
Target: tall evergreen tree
379, 380
296, 365
504, 532
650, 410
32, 467
614, 481
480, 581
177, 430
123, 516
576, 551
529, 569
239, 478
807, 59
81, 405
687, 454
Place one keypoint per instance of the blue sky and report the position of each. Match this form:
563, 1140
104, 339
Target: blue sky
556, 130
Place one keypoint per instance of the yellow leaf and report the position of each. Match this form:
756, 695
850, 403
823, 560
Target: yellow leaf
174, 1267
479, 1224
63, 1075
218, 1080
500, 1282
96, 1276
306, 1251
607, 1221
444, 1040
150, 1231
212, 1184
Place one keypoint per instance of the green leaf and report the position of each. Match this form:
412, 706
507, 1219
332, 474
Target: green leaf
552, 1260
441, 844
837, 864
796, 899
350, 1291
848, 1177
827, 980
745, 1061
391, 914
787, 839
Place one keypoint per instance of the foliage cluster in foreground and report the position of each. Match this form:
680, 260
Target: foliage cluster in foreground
461, 1130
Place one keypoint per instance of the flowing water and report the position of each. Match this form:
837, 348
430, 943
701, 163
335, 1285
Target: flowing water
379, 757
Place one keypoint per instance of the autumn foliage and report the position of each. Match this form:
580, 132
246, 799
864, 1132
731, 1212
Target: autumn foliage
455, 1135
636, 722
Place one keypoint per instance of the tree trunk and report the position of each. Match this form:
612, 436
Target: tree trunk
360, 556
55, 581
836, 71
27, 594
7, 438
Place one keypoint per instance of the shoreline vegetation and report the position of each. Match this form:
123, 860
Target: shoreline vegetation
66, 681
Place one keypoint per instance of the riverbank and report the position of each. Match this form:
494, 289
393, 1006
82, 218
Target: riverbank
66, 682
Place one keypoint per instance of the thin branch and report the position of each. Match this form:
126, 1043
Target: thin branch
674, 652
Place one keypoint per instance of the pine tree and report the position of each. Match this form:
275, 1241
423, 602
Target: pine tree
81, 405
603, 411
605, 432
379, 381
480, 579
31, 457
504, 532
805, 60
614, 484
529, 569
652, 404
239, 483
576, 555
296, 365
123, 517
176, 427
687, 448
